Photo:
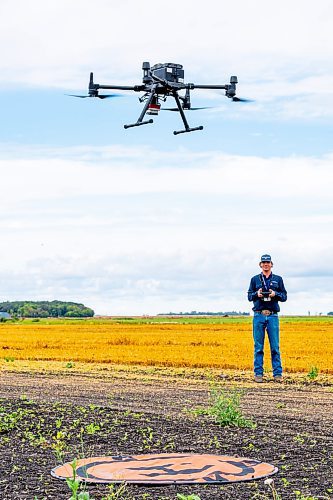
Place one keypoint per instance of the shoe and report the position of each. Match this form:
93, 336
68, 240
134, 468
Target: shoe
278, 378
258, 378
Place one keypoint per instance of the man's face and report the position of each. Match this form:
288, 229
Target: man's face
266, 266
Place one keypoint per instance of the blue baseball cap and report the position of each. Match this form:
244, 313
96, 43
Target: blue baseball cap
266, 258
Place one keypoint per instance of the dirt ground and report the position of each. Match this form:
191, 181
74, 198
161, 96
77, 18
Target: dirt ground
48, 419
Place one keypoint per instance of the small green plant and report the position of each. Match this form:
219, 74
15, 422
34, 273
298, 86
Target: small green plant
215, 442
74, 485
148, 438
285, 482
92, 428
24, 398
8, 421
300, 496
225, 408
70, 364
9, 359
281, 405
313, 373
250, 447
299, 438
188, 497
270, 483
117, 492
59, 444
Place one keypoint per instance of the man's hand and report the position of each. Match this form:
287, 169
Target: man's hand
271, 293
259, 292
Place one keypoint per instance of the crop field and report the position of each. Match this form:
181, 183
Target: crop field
224, 343
71, 389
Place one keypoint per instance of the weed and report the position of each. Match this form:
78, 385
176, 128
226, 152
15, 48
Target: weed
225, 408
59, 444
281, 405
215, 442
147, 438
270, 483
74, 485
250, 447
58, 423
9, 421
299, 439
24, 398
187, 497
92, 428
285, 482
300, 496
313, 373
169, 446
117, 492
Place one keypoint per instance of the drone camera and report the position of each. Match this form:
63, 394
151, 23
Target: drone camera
153, 107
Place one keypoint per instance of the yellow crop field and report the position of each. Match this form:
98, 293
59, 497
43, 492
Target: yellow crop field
227, 343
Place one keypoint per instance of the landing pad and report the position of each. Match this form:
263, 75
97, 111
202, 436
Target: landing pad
166, 468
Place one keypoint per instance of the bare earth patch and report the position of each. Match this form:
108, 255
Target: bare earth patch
58, 417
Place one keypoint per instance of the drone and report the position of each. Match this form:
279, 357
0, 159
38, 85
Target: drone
160, 82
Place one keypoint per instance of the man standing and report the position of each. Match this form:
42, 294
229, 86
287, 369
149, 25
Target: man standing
265, 291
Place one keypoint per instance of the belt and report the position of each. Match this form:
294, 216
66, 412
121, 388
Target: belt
266, 312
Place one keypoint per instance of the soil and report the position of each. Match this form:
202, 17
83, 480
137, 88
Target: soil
49, 419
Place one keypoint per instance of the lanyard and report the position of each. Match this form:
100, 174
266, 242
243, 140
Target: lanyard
266, 281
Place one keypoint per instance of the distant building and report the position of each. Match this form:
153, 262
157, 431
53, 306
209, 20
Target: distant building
5, 315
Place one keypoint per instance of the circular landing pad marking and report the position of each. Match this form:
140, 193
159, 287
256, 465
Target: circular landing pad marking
166, 468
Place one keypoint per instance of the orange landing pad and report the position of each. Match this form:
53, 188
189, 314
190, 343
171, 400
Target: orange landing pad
166, 468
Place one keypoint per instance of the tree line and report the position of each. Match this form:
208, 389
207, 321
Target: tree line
46, 309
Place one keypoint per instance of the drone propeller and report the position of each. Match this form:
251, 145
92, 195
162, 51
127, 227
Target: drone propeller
240, 99
105, 96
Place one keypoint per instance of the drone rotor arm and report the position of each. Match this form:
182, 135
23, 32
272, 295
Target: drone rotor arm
135, 88
192, 86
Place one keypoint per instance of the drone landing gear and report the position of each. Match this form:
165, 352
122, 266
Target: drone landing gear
138, 123
182, 114
176, 132
144, 111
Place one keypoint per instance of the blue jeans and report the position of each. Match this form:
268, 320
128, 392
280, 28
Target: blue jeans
270, 324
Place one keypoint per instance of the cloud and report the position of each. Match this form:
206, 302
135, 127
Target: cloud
118, 171
152, 283
277, 50
138, 230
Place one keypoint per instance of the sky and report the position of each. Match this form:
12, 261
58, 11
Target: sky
139, 221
